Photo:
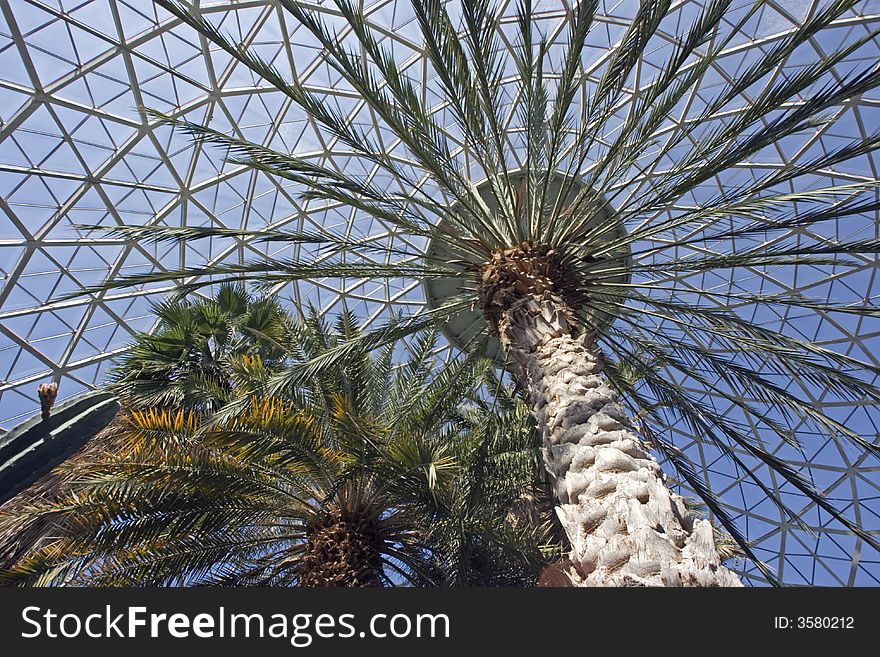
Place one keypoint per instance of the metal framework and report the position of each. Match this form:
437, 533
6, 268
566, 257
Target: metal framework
75, 149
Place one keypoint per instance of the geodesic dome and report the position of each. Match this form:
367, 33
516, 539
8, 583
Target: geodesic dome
76, 150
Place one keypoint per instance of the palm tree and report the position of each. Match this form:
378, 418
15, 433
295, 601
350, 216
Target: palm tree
575, 279
370, 475
186, 360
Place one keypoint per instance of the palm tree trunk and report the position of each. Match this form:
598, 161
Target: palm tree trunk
625, 526
341, 553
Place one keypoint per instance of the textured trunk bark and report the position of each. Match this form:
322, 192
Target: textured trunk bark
341, 553
625, 526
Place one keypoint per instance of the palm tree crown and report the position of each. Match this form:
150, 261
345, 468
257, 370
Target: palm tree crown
540, 232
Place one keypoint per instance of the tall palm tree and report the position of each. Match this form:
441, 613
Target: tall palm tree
575, 279
370, 475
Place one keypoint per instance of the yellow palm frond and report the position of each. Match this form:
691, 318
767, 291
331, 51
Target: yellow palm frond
164, 419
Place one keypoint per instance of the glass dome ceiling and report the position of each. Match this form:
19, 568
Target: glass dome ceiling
75, 149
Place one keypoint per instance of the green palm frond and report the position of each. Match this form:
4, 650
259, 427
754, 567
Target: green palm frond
187, 360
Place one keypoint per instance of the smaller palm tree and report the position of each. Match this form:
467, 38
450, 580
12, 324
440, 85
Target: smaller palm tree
374, 474
186, 361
